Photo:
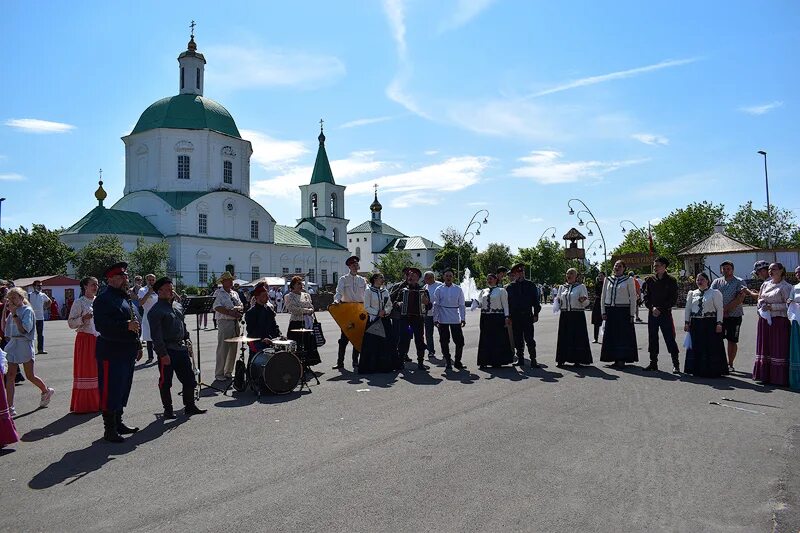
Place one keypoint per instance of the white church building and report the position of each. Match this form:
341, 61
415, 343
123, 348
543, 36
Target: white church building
187, 182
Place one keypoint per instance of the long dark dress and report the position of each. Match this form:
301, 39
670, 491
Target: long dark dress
706, 358
305, 341
573, 339
379, 352
597, 312
494, 345
619, 337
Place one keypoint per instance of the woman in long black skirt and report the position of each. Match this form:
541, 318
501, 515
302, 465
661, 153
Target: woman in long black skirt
379, 347
597, 313
573, 336
494, 345
618, 305
703, 320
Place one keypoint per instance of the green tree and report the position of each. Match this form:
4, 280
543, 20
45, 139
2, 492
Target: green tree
754, 226
38, 252
495, 255
149, 258
686, 226
545, 262
99, 254
456, 253
392, 264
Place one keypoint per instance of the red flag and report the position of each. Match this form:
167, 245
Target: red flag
650, 238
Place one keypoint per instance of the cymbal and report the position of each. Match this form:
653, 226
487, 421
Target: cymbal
302, 330
241, 339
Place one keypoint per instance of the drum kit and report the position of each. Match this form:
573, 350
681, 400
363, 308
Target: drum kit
278, 369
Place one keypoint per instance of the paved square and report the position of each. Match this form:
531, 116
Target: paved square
594, 449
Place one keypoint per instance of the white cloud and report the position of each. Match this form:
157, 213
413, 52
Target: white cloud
431, 152
545, 167
466, 10
621, 74
249, 67
35, 125
365, 121
271, 153
533, 220
651, 139
395, 13
11, 177
477, 204
413, 198
761, 109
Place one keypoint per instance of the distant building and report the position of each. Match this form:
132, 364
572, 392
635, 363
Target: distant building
374, 238
187, 182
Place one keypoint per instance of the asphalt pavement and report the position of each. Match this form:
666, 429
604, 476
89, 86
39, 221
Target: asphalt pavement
553, 449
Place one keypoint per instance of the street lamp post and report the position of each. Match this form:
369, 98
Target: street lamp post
472, 222
769, 209
1, 210
553, 236
629, 222
594, 220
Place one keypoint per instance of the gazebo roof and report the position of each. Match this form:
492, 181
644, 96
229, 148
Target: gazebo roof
718, 242
574, 235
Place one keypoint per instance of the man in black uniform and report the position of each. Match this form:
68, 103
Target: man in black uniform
168, 331
524, 307
260, 321
660, 293
118, 349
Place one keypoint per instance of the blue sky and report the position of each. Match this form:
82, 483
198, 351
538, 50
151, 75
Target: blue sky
452, 106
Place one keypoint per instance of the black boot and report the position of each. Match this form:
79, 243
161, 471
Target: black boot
520, 361
458, 364
448, 363
122, 428
676, 364
534, 364
192, 409
169, 414
110, 426
653, 366
421, 365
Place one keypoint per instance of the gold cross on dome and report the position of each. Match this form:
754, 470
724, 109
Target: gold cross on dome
192, 25
321, 122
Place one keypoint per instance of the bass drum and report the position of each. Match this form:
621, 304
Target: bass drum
276, 372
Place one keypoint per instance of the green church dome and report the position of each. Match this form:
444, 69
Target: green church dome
187, 112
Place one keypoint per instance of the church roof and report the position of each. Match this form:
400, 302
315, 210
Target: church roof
375, 226
311, 221
187, 112
411, 243
322, 167
180, 199
716, 243
288, 236
115, 222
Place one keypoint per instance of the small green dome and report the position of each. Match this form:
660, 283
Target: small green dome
187, 112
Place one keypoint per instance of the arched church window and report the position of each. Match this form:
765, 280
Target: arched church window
183, 167
202, 224
313, 204
254, 229
335, 234
227, 172
358, 251
181, 78
333, 204
197, 78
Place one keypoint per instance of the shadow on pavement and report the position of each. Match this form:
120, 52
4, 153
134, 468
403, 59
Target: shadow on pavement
419, 377
505, 372
75, 465
542, 373
57, 427
462, 376
6, 451
590, 372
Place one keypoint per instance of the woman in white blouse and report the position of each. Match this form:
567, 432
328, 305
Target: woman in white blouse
379, 346
85, 394
794, 333
772, 336
618, 308
301, 308
573, 335
494, 345
703, 321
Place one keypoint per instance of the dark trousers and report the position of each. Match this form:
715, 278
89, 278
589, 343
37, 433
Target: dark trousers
40, 335
406, 328
522, 327
596, 331
343, 342
667, 326
180, 366
429, 335
445, 331
115, 363
149, 349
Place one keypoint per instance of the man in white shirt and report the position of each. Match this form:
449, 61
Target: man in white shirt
350, 288
39, 301
430, 285
449, 312
228, 311
147, 297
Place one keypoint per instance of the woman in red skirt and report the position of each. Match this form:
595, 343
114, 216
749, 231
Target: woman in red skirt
85, 395
8, 432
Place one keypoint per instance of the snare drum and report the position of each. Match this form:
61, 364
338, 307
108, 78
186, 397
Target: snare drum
285, 346
278, 372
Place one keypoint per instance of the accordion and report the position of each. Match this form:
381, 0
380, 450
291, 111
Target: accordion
413, 303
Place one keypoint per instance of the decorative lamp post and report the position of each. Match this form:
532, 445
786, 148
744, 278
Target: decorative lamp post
472, 222
594, 221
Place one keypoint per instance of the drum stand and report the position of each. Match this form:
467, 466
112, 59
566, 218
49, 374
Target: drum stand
306, 368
